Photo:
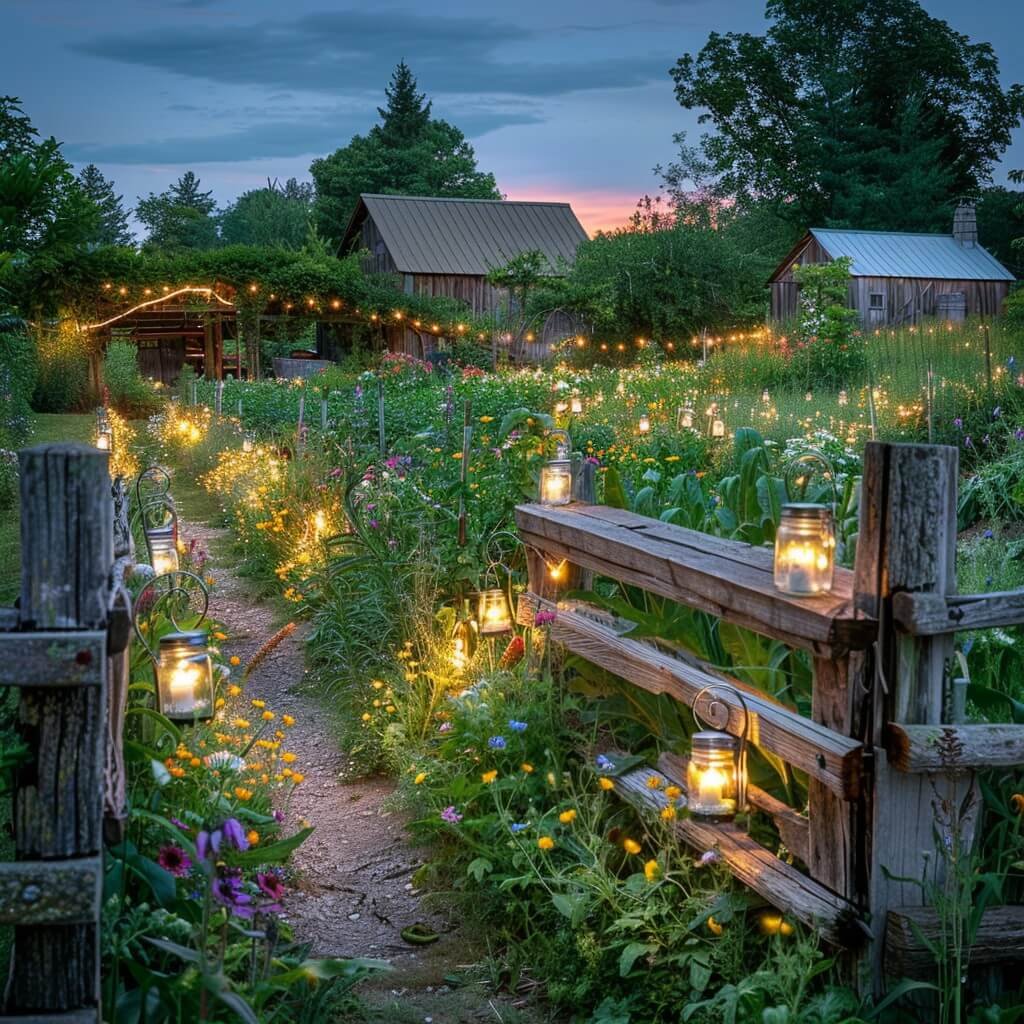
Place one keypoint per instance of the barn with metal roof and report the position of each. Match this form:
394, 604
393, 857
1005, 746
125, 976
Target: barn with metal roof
899, 277
446, 247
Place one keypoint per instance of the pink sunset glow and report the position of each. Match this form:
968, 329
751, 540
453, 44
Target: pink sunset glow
597, 209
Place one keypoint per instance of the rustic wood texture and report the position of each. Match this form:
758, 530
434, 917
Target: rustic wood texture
50, 892
773, 879
792, 826
932, 614
52, 659
67, 554
939, 748
832, 759
1000, 939
725, 578
90, 1016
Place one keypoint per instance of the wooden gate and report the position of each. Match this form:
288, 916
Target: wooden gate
880, 743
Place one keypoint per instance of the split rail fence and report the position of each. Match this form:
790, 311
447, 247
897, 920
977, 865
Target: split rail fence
880, 747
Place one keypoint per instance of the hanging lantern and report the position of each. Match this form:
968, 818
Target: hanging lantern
493, 612
576, 405
718, 428
716, 776
162, 544
105, 438
644, 426
556, 476
184, 676
249, 441
805, 545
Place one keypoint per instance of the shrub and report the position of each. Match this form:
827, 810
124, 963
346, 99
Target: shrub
128, 391
63, 383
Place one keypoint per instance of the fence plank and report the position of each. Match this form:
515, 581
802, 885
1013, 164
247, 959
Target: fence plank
53, 658
727, 579
932, 614
50, 891
825, 755
940, 748
67, 553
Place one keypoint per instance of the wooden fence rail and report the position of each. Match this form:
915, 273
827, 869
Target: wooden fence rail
875, 750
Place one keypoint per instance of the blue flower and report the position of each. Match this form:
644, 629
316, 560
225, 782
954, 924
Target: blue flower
987, 535
516, 726
519, 826
496, 743
606, 764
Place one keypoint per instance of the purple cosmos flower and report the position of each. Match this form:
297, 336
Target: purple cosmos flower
227, 890
174, 860
542, 618
451, 815
517, 726
374, 525
497, 743
707, 858
235, 834
958, 423
359, 392
516, 827
1019, 433
270, 885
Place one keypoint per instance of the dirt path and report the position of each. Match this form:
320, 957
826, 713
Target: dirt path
353, 892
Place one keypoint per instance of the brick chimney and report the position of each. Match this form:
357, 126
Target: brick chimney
965, 224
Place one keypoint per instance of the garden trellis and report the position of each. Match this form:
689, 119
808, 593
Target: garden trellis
880, 745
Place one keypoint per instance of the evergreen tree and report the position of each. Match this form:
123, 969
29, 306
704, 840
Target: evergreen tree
409, 153
180, 218
112, 225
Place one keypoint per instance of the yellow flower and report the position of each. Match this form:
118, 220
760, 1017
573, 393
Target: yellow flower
605, 783
367, 716
527, 767
235, 659
567, 817
673, 792
267, 716
551, 779
652, 871
668, 813
298, 777
653, 782
194, 762
259, 703
288, 757
488, 777
631, 846
486, 419
219, 703
234, 691
420, 779
714, 927
220, 636
288, 720
253, 836
240, 723
390, 709
377, 684
242, 793
177, 772
456, 455
546, 843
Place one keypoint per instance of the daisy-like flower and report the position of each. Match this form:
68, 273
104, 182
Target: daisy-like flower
174, 860
546, 843
631, 846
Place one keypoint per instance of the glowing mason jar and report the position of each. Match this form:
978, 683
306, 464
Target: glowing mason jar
644, 426
711, 776
184, 676
105, 439
686, 418
493, 612
556, 482
805, 546
718, 428
163, 549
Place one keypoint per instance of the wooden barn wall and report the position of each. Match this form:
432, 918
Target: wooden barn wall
378, 260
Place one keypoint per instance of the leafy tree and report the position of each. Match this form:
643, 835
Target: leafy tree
112, 225
180, 218
275, 215
408, 153
867, 113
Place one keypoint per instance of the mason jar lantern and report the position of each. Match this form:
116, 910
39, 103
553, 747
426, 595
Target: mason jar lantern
105, 438
805, 546
493, 612
184, 676
162, 542
644, 426
556, 475
712, 776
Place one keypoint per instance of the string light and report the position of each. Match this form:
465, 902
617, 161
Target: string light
208, 292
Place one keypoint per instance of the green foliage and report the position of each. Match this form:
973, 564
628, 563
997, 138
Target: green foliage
277, 216
830, 351
408, 153
63, 383
834, 128
112, 220
180, 218
129, 393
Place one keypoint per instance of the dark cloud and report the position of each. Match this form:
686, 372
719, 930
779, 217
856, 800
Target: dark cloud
352, 51
267, 139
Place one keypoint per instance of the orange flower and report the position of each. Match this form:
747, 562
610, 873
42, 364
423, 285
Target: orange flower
288, 720
567, 817
235, 659
546, 843
298, 777
253, 836
605, 783
1017, 802
488, 777
631, 846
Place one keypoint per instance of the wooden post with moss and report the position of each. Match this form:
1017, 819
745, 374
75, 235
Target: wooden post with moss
55, 651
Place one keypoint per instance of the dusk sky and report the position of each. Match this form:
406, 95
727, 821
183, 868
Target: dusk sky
569, 100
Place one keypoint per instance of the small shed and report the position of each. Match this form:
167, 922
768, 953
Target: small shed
446, 247
899, 277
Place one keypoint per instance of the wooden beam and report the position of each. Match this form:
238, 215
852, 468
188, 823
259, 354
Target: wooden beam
773, 879
832, 759
52, 659
50, 891
730, 580
944, 748
935, 614
999, 939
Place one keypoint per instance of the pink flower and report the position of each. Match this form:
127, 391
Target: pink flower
174, 860
270, 885
542, 618
707, 858
451, 815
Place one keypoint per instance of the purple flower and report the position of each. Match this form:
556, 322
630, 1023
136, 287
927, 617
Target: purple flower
497, 743
516, 726
451, 815
174, 860
958, 423
208, 843
374, 525
227, 890
445, 727
235, 834
178, 823
707, 858
1019, 433
359, 392
270, 885
987, 535
542, 618
279, 816
593, 461
968, 443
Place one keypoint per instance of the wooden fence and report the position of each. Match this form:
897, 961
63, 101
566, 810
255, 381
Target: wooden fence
879, 750
65, 648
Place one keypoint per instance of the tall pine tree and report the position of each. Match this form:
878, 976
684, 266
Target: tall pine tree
409, 153
112, 225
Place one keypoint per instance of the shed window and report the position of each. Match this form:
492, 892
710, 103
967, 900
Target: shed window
876, 300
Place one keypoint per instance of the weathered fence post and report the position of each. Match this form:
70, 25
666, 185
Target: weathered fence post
907, 543
58, 659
